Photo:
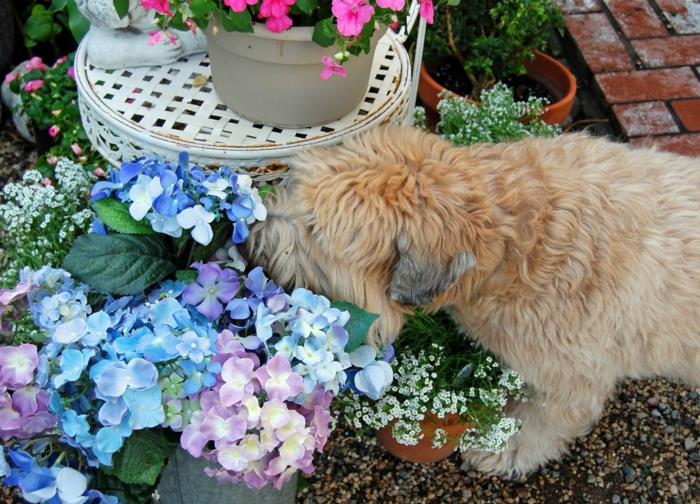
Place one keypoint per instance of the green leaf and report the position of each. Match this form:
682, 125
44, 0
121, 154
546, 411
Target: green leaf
122, 7
141, 459
202, 7
188, 276
266, 190
325, 33
77, 23
39, 26
307, 6
119, 263
115, 215
58, 5
237, 21
358, 325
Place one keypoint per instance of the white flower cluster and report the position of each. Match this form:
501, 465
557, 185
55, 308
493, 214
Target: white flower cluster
415, 394
494, 439
39, 219
497, 118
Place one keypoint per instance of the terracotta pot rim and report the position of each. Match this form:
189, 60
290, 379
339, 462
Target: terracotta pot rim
564, 102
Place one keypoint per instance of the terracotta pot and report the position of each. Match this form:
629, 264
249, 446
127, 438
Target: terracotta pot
424, 451
549, 72
273, 78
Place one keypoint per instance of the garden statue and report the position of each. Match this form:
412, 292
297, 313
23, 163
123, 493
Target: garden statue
134, 40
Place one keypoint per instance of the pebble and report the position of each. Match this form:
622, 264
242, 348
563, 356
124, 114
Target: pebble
689, 444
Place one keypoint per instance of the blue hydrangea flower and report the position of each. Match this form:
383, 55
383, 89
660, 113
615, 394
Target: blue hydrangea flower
116, 377
145, 407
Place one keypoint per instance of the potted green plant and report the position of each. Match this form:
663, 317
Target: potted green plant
475, 44
447, 394
270, 58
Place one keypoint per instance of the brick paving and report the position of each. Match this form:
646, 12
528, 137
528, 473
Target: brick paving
642, 58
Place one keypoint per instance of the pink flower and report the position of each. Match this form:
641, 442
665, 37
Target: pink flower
161, 6
71, 72
278, 379
352, 16
17, 365
47, 182
35, 64
76, 149
54, 131
239, 5
278, 24
33, 85
154, 37
10, 77
8, 296
275, 8
191, 25
52, 160
60, 61
395, 5
426, 10
332, 68
99, 172
237, 375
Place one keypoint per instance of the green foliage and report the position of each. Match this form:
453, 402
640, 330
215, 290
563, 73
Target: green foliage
496, 118
115, 215
324, 32
45, 20
55, 103
141, 459
491, 39
119, 263
358, 325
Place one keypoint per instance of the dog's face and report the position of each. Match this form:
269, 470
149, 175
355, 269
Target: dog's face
385, 221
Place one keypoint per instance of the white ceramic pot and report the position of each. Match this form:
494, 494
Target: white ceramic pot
273, 78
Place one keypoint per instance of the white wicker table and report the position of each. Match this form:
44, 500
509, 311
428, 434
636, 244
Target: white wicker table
166, 110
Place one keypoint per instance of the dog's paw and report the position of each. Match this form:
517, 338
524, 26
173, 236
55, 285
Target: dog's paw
512, 463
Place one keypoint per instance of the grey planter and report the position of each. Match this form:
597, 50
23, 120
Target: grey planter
7, 36
184, 482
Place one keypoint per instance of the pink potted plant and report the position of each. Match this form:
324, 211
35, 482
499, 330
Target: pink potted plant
271, 59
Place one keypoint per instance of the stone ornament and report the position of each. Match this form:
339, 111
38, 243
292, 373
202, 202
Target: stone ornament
115, 43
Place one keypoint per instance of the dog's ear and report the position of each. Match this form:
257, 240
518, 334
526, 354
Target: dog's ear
418, 279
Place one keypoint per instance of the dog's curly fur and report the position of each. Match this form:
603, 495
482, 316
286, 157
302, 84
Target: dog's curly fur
576, 260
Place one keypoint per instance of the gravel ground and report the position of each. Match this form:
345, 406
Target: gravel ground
644, 450
16, 155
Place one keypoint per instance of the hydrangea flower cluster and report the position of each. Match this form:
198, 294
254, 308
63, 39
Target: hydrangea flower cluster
245, 371
418, 392
182, 198
57, 484
40, 218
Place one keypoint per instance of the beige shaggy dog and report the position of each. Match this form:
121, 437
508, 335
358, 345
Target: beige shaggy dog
576, 260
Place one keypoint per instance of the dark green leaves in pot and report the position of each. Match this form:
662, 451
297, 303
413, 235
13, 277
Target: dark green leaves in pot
358, 325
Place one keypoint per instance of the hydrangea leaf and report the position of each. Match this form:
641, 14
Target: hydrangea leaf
141, 459
119, 263
358, 325
115, 215
187, 276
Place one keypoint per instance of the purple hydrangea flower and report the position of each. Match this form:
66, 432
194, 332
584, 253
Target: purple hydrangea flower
213, 289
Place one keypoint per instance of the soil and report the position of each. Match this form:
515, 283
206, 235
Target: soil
449, 73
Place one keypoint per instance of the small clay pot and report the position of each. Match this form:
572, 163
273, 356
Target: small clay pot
548, 71
423, 451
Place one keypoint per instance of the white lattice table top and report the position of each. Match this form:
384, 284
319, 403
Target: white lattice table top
165, 110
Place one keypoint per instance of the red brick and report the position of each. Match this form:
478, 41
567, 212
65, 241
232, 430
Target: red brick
579, 6
643, 119
637, 18
688, 144
669, 51
676, 11
688, 111
599, 43
649, 85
